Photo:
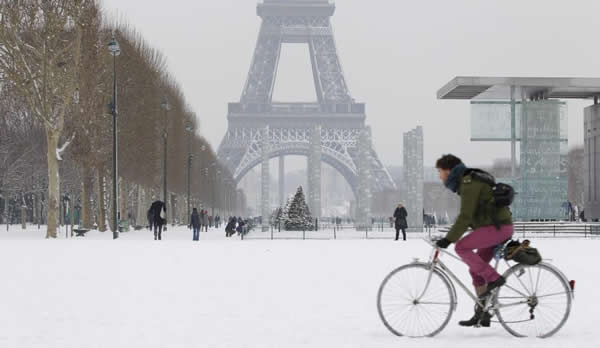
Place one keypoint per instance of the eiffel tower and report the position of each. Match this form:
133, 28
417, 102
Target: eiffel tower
330, 130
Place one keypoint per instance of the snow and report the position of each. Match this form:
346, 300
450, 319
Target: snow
225, 292
60, 150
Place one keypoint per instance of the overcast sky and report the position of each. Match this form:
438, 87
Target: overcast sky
395, 54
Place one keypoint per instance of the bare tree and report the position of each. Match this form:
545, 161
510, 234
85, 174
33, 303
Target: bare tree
40, 53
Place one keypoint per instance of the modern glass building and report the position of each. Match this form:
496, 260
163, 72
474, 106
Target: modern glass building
530, 114
413, 176
539, 134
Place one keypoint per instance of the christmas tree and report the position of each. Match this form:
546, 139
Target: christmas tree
298, 216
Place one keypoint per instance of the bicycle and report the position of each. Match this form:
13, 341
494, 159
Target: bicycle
418, 299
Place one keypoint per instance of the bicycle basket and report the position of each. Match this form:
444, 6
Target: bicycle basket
522, 253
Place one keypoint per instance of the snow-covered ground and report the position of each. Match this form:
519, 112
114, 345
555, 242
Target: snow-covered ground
218, 292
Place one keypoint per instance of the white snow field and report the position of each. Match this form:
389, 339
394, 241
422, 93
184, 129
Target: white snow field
218, 292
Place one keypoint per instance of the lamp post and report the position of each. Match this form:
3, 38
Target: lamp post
115, 50
164, 104
216, 182
189, 130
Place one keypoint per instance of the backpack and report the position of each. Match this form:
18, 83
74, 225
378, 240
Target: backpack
503, 194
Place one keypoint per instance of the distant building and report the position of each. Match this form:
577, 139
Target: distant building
591, 161
527, 113
413, 176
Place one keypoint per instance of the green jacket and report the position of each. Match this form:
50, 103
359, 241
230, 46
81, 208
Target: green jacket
476, 208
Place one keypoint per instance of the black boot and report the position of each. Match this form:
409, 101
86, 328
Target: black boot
480, 318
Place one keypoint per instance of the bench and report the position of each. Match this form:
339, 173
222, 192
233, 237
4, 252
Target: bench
80, 232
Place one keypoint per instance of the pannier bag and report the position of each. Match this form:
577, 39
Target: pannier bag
522, 253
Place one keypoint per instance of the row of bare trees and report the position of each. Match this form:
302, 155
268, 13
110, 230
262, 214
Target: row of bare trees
56, 80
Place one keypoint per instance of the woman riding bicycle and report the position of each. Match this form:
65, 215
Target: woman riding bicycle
491, 226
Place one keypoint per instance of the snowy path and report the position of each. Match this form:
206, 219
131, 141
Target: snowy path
134, 292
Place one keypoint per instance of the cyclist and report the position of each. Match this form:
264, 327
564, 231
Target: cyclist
491, 226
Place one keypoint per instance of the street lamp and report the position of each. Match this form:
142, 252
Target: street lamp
164, 104
215, 199
189, 130
115, 50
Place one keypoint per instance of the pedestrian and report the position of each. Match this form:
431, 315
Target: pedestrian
230, 228
240, 226
205, 220
195, 224
159, 214
400, 215
491, 224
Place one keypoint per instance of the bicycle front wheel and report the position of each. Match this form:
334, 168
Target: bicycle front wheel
415, 301
534, 302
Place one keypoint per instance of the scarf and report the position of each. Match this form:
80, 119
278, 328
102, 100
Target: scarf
454, 176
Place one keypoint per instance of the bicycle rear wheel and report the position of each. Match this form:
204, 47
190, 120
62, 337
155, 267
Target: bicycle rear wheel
534, 302
413, 301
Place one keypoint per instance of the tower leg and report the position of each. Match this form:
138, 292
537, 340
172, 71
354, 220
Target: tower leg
314, 173
265, 211
281, 180
363, 201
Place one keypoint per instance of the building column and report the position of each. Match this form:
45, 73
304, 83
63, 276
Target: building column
591, 177
513, 135
265, 211
281, 180
413, 176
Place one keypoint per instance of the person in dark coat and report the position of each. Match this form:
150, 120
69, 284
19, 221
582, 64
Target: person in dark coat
195, 224
205, 220
240, 226
158, 221
230, 228
400, 215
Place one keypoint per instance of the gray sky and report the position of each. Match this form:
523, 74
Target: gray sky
395, 54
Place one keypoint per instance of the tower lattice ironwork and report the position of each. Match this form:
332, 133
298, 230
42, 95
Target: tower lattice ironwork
331, 130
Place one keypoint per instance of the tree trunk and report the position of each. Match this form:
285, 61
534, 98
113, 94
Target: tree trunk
173, 206
86, 191
123, 200
53, 183
147, 204
110, 207
140, 216
5, 210
34, 201
23, 213
101, 205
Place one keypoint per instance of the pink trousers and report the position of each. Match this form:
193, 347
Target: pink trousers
484, 240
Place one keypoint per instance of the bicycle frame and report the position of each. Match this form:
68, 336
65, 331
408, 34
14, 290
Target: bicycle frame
434, 261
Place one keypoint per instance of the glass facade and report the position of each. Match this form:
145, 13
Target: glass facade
413, 176
491, 121
541, 132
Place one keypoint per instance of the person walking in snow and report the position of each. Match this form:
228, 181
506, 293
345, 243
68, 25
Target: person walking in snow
159, 215
230, 228
400, 215
195, 224
205, 220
